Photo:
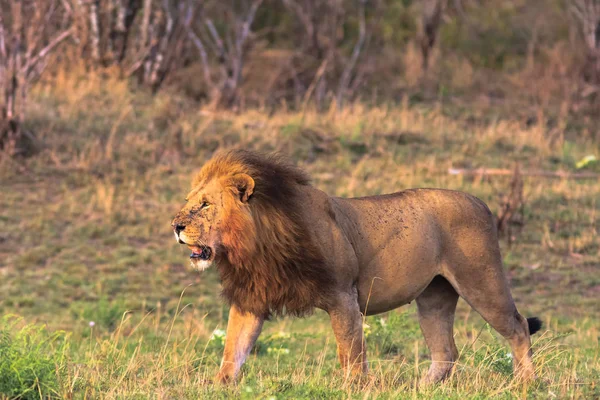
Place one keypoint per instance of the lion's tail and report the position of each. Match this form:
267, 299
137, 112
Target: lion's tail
534, 325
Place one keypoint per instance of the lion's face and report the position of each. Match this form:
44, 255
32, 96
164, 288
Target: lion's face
215, 212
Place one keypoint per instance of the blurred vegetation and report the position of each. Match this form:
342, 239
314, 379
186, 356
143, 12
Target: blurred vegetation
32, 360
86, 246
118, 130
518, 57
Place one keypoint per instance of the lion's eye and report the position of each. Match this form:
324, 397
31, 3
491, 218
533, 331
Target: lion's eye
204, 204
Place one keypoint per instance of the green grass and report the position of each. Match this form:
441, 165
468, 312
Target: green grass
32, 360
86, 248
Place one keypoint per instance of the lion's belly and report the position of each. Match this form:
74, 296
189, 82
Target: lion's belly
398, 272
387, 290
403, 240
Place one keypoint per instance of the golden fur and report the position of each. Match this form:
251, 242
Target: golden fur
283, 246
268, 263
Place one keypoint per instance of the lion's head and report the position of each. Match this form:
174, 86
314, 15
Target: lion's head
216, 216
243, 215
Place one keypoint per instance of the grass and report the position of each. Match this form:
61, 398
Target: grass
86, 248
32, 360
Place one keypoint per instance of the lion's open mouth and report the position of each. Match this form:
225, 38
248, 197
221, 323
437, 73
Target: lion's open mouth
201, 252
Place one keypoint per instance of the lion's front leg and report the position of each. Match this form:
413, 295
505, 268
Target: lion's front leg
347, 323
242, 331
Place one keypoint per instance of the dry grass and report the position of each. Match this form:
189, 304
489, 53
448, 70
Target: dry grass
85, 237
184, 361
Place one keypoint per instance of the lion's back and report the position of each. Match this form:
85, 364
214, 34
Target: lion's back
425, 217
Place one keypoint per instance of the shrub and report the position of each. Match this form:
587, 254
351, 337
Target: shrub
32, 360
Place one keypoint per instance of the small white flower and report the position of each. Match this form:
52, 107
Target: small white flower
281, 335
278, 350
366, 330
218, 334
92, 324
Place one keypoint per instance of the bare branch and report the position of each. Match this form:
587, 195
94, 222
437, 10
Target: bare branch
2, 38
315, 81
67, 6
138, 63
198, 43
587, 15
345, 79
246, 26
30, 65
238, 61
431, 20
146, 22
14, 110
302, 15
536, 173
159, 58
121, 13
95, 30
217, 39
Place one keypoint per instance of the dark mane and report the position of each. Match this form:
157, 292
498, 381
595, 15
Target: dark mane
286, 272
275, 178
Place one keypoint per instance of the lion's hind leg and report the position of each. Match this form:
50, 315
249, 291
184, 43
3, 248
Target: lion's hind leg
485, 288
436, 307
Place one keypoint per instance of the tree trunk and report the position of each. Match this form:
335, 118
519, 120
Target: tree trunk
587, 15
431, 20
26, 39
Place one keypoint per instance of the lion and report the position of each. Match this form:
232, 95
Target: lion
281, 246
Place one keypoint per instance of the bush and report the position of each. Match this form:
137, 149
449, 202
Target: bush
32, 360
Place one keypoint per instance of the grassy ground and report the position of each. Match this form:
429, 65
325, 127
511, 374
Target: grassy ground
86, 250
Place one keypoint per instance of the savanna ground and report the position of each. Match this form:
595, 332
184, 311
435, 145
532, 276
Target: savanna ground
99, 301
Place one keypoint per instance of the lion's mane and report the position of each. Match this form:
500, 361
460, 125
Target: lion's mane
271, 265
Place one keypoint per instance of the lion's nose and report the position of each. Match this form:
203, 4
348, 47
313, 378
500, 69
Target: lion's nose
178, 228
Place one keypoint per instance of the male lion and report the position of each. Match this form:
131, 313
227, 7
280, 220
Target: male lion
282, 246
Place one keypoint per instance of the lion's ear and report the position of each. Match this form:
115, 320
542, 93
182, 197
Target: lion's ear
244, 184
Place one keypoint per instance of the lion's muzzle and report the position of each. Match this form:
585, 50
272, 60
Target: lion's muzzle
202, 252
202, 256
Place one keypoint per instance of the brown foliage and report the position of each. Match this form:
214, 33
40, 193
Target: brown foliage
587, 15
511, 207
29, 31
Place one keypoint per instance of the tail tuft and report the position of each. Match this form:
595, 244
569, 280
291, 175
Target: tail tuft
534, 325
